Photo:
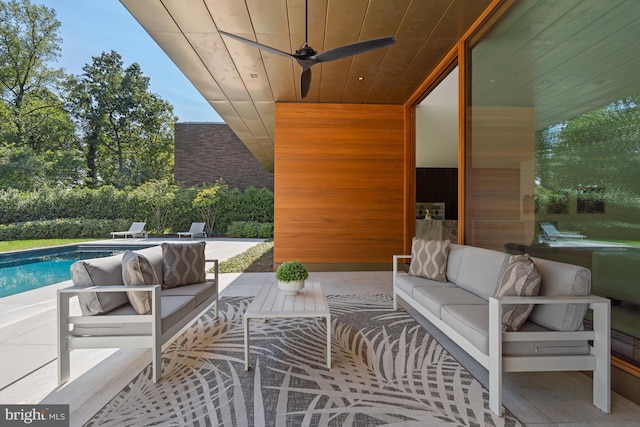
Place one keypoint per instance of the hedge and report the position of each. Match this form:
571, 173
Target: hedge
62, 228
65, 213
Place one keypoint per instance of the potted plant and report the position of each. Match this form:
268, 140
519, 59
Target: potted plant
291, 276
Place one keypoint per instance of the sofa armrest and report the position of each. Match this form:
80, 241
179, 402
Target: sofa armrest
600, 306
395, 273
396, 258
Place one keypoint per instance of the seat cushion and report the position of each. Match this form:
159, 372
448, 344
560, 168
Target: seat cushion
99, 272
561, 279
201, 291
137, 271
408, 283
173, 309
434, 297
429, 259
183, 264
472, 322
520, 277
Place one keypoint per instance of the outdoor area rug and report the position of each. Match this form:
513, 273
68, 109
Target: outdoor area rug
386, 370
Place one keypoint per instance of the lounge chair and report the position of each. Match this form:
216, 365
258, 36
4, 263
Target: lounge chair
136, 230
550, 232
196, 230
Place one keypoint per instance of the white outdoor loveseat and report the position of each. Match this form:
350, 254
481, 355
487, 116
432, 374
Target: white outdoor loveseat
552, 338
111, 319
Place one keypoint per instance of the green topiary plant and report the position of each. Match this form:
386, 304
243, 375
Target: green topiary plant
291, 271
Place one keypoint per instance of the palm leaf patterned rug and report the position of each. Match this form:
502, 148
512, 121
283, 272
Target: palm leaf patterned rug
387, 370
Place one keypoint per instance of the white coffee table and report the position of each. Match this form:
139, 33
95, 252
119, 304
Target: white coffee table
272, 303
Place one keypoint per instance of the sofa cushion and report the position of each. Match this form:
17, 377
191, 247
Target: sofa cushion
173, 310
137, 270
183, 264
99, 272
519, 277
154, 255
479, 270
561, 279
201, 291
454, 261
434, 297
472, 322
408, 283
429, 259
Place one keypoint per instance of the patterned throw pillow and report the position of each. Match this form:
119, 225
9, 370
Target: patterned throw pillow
137, 270
183, 264
520, 277
429, 259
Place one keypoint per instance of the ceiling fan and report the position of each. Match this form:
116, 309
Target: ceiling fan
306, 56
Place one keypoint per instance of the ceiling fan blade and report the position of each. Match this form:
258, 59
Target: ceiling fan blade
305, 82
353, 49
257, 45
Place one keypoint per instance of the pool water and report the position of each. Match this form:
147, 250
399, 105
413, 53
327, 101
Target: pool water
27, 271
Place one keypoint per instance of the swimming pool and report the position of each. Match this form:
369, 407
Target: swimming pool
26, 270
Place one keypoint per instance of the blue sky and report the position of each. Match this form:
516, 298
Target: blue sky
90, 27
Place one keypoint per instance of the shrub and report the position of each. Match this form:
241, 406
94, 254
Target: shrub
250, 229
64, 228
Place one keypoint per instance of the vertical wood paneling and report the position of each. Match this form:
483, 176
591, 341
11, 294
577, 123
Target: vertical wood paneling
339, 183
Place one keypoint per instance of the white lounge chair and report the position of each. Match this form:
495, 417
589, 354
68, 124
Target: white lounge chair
551, 232
136, 230
196, 230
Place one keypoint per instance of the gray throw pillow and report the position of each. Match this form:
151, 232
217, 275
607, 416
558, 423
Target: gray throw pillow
137, 271
429, 259
183, 264
519, 277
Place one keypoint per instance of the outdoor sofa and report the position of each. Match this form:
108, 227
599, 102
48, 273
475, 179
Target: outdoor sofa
171, 290
465, 292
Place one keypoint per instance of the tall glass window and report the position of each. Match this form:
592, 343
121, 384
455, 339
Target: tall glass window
552, 162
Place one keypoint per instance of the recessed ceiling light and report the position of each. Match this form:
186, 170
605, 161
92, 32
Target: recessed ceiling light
360, 78
253, 76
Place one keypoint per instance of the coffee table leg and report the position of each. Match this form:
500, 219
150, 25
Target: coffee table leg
329, 341
246, 343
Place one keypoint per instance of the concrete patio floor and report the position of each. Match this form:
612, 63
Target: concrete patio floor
29, 368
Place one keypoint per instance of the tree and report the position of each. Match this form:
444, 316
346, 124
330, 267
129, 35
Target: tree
127, 132
36, 134
159, 195
207, 202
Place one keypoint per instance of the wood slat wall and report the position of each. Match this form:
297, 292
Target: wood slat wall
339, 184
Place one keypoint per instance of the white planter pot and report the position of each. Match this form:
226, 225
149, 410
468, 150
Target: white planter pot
291, 288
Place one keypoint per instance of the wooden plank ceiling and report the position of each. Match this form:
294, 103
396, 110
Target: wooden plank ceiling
243, 83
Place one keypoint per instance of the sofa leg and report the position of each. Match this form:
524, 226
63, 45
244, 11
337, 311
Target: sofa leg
602, 351
495, 357
64, 362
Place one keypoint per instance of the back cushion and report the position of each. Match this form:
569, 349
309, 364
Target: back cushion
99, 272
154, 256
559, 278
456, 255
480, 269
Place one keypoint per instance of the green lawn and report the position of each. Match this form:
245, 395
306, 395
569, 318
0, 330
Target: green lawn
16, 245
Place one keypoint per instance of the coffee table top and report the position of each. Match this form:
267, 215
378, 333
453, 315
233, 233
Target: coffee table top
271, 302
